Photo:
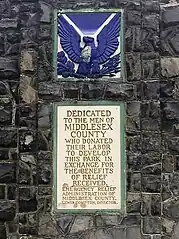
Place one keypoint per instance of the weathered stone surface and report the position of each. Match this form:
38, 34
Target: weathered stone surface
45, 117
8, 23
133, 202
151, 183
133, 66
106, 234
170, 116
132, 37
133, 17
7, 211
27, 141
1, 43
28, 60
47, 226
175, 234
134, 162
93, 91
134, 182
45, 155
151, 204
3, 234
171, 183
82, 223
167, 226
45, 13
46, 90
133, 116
169, 39
11, 192
150, 66
171, 209
45, 31
72, 90
27, 115
8, 68
167, 89
27, 89
29, 37
151, 21
27, 170
151, 90
45, 173
2, 192
170, 67
150, 6
150, 116
168, 163
27, 199
151, 142
171, 143
151, 225
133, 233
7, 173
170, 15
133, 144
5, 111
4, 89
150, 40
119, 91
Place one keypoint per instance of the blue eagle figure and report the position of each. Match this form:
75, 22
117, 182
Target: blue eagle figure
83, 51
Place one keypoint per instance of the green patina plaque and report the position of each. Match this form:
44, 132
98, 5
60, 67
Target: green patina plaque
89, 156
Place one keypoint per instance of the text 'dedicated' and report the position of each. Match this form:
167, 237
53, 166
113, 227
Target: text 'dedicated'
88, 157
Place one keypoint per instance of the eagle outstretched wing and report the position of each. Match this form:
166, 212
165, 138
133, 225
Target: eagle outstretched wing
69, 39
108, 40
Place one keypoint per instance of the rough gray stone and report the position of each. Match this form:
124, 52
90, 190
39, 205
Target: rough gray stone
27, 90
7, 173
133, 233
133, 116
170, 15
65, 223
8, 68
132, 37
167, 226
170, 66
47, 226
151, 204
151, 225
28, 60
133, 66
82, 223
133, 202
27, 170
175, 234
27, 199
7, 211
46, 12
151, 21
171, 209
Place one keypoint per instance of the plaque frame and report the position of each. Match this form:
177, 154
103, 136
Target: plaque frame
122, 77
122, 136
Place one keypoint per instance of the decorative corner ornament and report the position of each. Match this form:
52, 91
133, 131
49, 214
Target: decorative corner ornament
89, 45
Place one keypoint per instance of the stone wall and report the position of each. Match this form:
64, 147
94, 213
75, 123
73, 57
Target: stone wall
27, 91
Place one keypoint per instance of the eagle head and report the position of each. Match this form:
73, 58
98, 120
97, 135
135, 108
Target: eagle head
87, 40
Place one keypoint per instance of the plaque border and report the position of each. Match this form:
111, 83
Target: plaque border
122, 136
122, 77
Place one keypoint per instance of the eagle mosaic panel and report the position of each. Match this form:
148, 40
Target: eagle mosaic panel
89, 45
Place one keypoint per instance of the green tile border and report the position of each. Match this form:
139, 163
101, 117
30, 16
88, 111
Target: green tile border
55, 38
123, 157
